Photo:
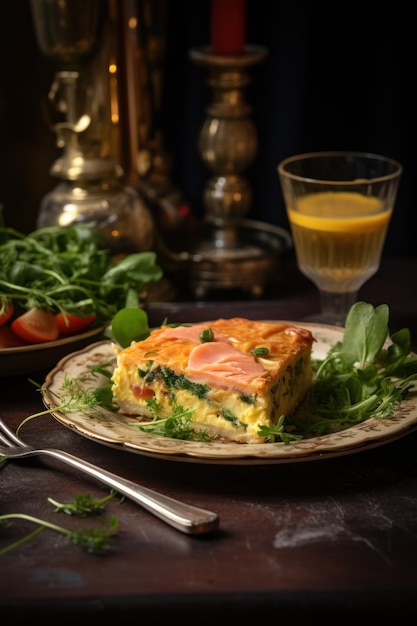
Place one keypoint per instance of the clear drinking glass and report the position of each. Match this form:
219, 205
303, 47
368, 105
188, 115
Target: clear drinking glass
339, 206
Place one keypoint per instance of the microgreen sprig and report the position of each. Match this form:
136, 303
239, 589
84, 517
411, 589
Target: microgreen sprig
93, 540
175, 426
83, 505
277, 432
75, 398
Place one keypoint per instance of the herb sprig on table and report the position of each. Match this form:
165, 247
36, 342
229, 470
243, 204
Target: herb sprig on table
93, 540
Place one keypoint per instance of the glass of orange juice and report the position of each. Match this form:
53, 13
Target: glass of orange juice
339, 206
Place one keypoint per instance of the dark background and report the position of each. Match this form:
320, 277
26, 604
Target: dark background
335, 78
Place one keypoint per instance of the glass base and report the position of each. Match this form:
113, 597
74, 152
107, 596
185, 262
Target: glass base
326, 319
334, 308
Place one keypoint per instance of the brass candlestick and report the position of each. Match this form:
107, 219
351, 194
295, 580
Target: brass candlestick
228, 251
228, 141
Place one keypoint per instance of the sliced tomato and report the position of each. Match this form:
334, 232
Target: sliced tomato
9, 340
36, 326
142, 392
69, 324
7, 313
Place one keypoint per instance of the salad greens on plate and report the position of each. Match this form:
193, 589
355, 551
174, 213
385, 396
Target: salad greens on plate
365, 375
57, 280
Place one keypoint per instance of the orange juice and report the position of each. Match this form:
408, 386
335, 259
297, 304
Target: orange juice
338, 238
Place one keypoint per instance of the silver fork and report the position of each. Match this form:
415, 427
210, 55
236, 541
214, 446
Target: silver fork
184, 517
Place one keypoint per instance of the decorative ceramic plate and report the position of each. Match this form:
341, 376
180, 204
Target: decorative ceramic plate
115, 429
42, 356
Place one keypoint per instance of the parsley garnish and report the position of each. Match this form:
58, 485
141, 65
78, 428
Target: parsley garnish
206, 335
261, 351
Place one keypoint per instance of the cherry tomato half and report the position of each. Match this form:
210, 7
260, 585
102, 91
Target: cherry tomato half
36, 326
69, 324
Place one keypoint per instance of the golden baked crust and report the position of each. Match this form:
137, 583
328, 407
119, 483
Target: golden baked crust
233, 374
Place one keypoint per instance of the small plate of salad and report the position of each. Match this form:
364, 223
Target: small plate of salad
59, 291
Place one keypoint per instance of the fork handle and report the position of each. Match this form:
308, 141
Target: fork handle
184, 517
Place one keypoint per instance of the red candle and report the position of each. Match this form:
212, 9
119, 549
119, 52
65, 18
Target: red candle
228, 27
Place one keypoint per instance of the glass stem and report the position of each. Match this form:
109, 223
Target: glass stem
336, 305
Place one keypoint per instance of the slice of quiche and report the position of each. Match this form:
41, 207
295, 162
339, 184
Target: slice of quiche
231, 375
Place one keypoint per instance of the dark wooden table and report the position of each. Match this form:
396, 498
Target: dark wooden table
331, 540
